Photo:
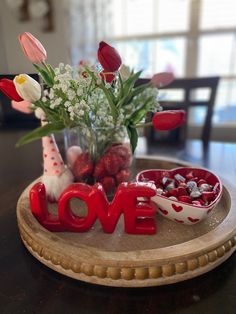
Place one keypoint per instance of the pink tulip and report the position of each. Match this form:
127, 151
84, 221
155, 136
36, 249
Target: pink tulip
162, 79
22, 106
32, 48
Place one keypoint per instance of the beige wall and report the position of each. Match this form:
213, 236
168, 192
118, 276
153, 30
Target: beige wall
12, 59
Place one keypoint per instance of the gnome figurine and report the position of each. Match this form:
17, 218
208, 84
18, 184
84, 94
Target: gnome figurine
56, 176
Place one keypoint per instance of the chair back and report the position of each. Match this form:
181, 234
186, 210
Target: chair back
188, 85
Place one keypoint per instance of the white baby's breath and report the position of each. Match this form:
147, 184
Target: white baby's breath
77, 99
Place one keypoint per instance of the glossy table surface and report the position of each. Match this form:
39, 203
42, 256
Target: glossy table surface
26, 286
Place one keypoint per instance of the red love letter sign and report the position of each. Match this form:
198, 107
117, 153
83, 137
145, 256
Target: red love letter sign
75, 223
39, 208
139, 215
131, 199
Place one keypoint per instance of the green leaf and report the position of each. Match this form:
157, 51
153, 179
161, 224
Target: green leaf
127, 90
139, 89
124, 100
40, 132
121, 92
133, 78
129, 83
45, 76
133, 137
141, 112
51, 70
110, 98
51, 115
109, 95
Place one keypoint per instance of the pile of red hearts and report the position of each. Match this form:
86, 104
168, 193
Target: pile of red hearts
110, 170
188, 189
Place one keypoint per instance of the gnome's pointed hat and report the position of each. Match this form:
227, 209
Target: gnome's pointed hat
52, 160
53, 165
56, 176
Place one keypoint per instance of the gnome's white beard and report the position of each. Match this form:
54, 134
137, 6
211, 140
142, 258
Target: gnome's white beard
55, 185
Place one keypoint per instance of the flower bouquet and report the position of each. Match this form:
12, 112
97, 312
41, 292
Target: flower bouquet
99, 107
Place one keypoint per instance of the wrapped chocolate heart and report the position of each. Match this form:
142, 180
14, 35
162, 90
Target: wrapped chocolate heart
205, 187
185, 195
159, 191
170, 186
195, 193
166, 181
191, 185
173, 198
179, 178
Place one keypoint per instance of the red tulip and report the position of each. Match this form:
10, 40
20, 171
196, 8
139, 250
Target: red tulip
8, 88
108, 77
168, 120
32, 48
108, 57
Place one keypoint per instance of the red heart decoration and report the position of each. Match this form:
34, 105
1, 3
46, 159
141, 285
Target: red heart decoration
177, 208
181, 221
193, 219
164, 212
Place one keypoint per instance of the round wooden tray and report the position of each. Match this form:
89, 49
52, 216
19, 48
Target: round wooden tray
175, 253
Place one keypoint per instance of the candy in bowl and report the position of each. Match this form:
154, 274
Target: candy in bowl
185, 195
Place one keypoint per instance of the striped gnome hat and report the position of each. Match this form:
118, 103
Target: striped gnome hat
56, 176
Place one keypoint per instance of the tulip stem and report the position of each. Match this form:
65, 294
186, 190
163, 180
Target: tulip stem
47, 68
143, 125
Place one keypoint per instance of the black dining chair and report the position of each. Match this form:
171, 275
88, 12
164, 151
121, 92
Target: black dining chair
188, 85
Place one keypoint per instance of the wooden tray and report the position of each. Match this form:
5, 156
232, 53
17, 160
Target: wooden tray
177, 252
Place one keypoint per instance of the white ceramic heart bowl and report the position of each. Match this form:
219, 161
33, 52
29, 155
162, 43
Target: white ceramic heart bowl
175, 210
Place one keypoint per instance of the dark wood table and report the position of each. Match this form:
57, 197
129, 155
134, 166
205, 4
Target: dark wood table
26, 286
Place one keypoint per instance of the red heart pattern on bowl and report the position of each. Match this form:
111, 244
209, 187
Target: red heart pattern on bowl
193, 220
176, 210
180, 221
163, 211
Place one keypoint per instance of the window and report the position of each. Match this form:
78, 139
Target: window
137, 54
215, 54
169, 56
217, 14
151, 56
172, 15
139, 26
192, 38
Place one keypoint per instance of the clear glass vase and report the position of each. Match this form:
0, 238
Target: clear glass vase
99, 155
